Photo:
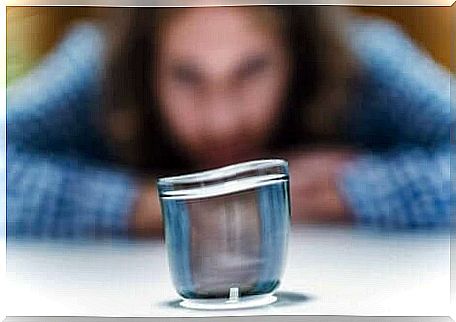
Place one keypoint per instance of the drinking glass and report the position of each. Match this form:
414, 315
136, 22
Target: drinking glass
226, 233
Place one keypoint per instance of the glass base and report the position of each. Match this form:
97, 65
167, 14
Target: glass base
229, 304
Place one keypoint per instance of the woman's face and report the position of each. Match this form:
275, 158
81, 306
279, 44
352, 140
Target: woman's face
221, 80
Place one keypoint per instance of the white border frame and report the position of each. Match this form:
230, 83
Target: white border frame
189, 3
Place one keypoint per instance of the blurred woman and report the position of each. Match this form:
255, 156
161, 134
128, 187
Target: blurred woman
361, 114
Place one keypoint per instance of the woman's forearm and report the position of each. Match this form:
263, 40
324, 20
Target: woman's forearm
405, 188
54, 196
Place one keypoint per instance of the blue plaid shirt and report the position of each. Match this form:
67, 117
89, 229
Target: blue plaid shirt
60, 185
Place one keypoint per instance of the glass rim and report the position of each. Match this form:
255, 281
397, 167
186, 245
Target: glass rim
223, 172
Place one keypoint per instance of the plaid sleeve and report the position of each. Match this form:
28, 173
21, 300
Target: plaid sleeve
404, 96
402, 119
52, 107
406, 189
52, 196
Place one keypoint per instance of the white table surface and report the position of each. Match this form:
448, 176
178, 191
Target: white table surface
329, 271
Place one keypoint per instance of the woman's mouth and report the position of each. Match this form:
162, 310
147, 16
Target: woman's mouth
220, 156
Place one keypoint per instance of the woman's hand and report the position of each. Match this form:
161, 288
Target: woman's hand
313, 182
146, 220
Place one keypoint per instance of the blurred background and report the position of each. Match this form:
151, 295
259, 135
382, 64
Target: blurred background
34, 31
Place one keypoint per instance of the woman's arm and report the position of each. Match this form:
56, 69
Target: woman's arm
55, 196
54, 187
52, 108
403, 97
404, 188
50, 196
401, 123
404, 119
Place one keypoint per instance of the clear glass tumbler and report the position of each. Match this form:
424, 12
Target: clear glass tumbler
226, 233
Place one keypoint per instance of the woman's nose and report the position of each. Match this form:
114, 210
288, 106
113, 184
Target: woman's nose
224, 114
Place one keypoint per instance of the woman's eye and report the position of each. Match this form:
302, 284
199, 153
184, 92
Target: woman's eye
186, 75
252, 67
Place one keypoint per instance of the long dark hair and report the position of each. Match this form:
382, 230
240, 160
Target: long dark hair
322, 75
